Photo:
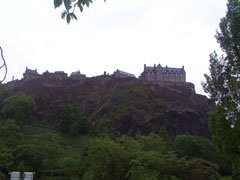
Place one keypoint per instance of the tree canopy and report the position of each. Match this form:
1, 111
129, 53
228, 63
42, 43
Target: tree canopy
10, 133
71, 120
223, 84
18, 107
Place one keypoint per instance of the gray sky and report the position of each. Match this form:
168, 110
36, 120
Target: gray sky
123, 34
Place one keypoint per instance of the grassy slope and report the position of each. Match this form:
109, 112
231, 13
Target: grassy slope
71, 145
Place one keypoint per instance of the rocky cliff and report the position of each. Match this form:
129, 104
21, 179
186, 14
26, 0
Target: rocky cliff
131, 105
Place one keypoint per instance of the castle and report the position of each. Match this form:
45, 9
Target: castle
158, 74
164, 76
33, 74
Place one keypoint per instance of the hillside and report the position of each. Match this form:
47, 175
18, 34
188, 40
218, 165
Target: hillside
131, 105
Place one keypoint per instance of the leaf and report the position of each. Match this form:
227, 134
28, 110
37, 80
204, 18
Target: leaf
80, 6
67, 4
73, 16
87, 3
68, 18
57, 3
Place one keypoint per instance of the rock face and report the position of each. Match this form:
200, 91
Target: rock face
131, 105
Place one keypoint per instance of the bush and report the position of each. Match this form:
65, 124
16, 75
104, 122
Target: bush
203, 169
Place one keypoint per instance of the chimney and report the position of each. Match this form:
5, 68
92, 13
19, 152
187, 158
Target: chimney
183, 67
154, 65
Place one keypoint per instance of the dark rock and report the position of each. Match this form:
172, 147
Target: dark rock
131, 105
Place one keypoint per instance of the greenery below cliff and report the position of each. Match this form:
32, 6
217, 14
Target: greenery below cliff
52, 155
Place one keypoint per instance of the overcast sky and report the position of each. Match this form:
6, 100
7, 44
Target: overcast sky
123, 34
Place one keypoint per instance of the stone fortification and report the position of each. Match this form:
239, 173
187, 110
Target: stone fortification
159, 74
164, 76
56, 74
30, 74
78, 75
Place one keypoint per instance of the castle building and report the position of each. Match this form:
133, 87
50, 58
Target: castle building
158, 74
30, 74
78, 75
122, 74
60, 74
56, 74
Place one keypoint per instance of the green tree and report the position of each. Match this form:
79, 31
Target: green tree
127, 158
6, 159
51, 149
30, 155
5, 92
223, 85
66, 116
199, 169
191, 147
102, 127
141, 158
71, 121
152, 156
187, 146
21, 168
10, 134
70, 6
164, 134
18, 107
106, 160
